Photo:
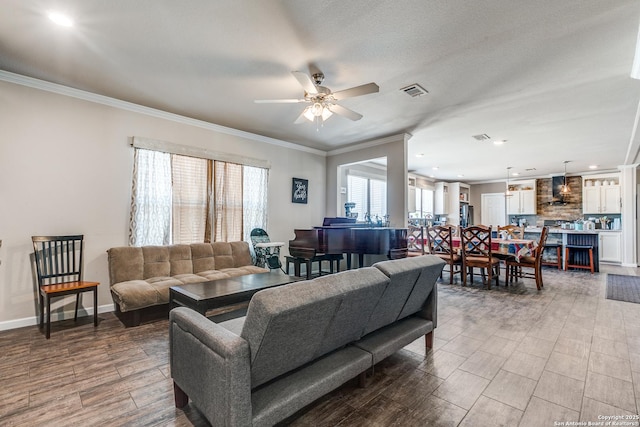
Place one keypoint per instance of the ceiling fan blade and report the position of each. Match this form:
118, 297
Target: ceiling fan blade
345, 112
356, 91
306, 82
279, 101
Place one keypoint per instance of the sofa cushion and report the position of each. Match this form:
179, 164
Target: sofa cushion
280, 320
161, 285
190, 278
223, 254
125, 263
134, 294
156, 261
241, 271
202, 257
241, 255
180, 259
420, 273
213, 275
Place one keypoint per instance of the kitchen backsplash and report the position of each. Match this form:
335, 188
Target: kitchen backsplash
570, 211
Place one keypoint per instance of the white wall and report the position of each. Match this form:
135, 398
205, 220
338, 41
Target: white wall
65, 168
394, 148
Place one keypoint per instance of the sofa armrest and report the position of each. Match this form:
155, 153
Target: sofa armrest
430, 308
211, 365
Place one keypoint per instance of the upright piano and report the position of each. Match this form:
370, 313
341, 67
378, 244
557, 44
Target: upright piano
338, 236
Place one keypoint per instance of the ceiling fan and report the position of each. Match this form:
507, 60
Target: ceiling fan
322, 102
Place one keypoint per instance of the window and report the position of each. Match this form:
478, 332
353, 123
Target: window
184, 199
369, 195
424, 203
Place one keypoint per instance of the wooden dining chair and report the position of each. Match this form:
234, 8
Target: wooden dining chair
514, 231
534, 262
59, 272
441, 245
415, 241
475, 242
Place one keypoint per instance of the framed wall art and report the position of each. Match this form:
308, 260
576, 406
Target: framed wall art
300, 190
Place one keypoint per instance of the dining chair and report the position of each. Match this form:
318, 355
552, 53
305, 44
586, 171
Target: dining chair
513, 231
475, 243
415, 241
58, 262
440, 244
534, 262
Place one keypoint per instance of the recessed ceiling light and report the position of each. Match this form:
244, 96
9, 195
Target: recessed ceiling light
435, 168
420, 155
515, 174
593, 166
499, 141
60, 19
460, 176
432, 176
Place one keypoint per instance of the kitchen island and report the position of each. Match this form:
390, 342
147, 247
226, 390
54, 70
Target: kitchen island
566, 237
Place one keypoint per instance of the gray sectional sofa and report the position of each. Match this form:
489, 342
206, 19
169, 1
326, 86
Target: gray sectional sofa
300, 341
140, 277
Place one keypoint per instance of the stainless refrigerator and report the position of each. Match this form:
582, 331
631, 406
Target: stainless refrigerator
466, 215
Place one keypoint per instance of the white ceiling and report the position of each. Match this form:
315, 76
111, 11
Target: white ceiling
552, 77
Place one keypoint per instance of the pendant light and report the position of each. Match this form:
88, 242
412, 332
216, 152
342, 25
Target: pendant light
565, 187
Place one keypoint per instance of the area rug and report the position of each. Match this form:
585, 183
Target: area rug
623, 288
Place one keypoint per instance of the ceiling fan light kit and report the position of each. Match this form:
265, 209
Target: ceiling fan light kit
323, 102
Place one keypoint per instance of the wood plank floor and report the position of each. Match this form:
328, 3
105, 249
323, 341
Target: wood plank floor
501, 357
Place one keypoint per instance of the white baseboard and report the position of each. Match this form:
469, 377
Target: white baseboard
55, 316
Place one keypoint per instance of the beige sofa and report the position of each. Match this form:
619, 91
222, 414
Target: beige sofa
140, 277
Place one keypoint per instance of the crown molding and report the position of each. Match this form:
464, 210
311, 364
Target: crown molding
368, 144
136, 108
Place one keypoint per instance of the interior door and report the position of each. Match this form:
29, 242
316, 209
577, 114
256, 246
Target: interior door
493, 210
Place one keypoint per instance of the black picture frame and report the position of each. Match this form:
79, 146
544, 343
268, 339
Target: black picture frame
300, 190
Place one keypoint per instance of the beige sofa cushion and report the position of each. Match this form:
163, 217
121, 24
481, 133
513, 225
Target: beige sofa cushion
156, 261
125, 263
180, 259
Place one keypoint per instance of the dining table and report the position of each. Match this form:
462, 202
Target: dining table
516, 248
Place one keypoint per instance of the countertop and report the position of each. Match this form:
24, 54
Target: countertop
563, 231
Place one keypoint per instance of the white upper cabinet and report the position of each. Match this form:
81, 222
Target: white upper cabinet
601, 194
523, 198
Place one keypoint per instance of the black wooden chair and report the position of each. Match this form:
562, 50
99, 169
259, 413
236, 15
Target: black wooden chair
59, 272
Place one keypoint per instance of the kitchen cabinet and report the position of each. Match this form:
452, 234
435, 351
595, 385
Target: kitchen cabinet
601, 195
610, 246
523, 198
441, 198
459, 194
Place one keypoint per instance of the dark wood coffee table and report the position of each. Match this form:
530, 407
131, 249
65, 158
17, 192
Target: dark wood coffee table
222, 292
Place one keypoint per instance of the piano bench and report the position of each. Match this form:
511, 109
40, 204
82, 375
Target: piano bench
308, 262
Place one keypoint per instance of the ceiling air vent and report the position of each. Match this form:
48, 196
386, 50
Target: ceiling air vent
414, 90
482, 137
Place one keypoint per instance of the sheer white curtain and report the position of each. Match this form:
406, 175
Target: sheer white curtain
254, 199
150, 220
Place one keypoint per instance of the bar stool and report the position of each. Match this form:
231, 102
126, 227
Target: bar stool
569, 248
558, 249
